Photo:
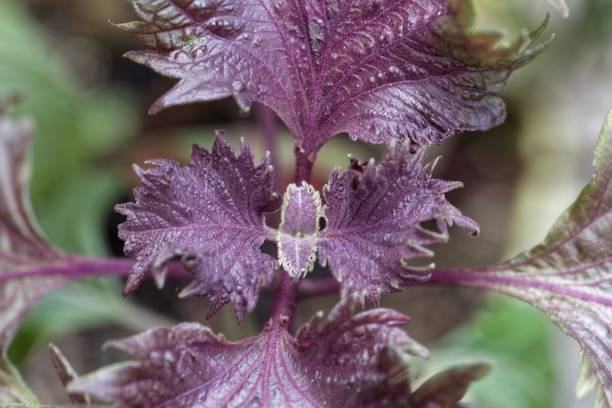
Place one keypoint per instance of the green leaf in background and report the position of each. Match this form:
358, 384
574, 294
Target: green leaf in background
79, 306
74, 125
516, 340
74, 220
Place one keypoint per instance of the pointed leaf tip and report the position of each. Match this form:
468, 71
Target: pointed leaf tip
66, 373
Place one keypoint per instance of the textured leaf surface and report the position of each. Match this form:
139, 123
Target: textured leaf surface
210, 215
377, 69
352, 361
21, 247
297, 235
374, 214
569, 275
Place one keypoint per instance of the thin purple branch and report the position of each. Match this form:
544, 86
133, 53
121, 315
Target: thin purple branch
304, 164
75, 267
318, 287
285, 302
72, 267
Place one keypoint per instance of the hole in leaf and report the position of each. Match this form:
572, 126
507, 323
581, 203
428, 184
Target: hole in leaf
322, 223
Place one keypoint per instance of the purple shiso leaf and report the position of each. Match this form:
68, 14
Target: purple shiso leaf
352, 360
569, 275
447, 388
210, 215
22, 246
374, 212
374, 69
297, 235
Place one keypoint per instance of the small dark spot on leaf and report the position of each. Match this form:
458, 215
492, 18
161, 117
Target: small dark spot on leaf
189, 261
322, 223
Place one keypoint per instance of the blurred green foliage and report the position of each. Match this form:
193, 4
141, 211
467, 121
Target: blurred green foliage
75, 220
516, 339
74, 125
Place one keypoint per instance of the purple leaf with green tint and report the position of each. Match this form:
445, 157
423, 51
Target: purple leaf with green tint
297, 235
352, 361
374, 214
22, 247
210, 215
569, 275
374, 69
29, 266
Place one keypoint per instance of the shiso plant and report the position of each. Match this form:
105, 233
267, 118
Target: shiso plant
404, 73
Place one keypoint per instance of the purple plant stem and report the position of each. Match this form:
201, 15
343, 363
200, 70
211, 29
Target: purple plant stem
477, 279
462, 277
286, 301
33, 247
318, 287
73, 267
82, 267
480, 279
303, 166
267, 124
